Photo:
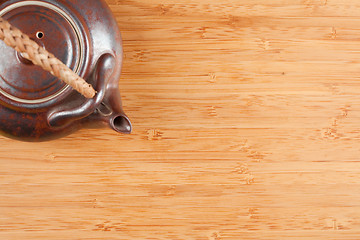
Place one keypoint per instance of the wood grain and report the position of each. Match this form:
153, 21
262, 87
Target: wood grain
246, 121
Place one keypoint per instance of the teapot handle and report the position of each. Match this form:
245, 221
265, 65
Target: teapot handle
101, 75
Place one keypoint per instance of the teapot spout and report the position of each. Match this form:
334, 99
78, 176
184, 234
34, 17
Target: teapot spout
115, 118
110, 111
121, 123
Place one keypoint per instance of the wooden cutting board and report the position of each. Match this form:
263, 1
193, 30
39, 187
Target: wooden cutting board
246, 119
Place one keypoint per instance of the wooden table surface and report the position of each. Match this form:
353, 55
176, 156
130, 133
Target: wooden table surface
246, 119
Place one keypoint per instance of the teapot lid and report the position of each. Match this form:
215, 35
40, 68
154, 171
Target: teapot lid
55, 30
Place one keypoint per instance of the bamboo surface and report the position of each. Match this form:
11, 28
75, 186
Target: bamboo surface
246, 119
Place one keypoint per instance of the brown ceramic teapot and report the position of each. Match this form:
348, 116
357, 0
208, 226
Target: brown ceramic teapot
83, 34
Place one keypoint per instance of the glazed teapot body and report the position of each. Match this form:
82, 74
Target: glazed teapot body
83, 34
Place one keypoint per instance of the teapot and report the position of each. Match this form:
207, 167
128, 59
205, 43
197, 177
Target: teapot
84, 35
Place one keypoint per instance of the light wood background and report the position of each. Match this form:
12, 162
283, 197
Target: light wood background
246, 121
